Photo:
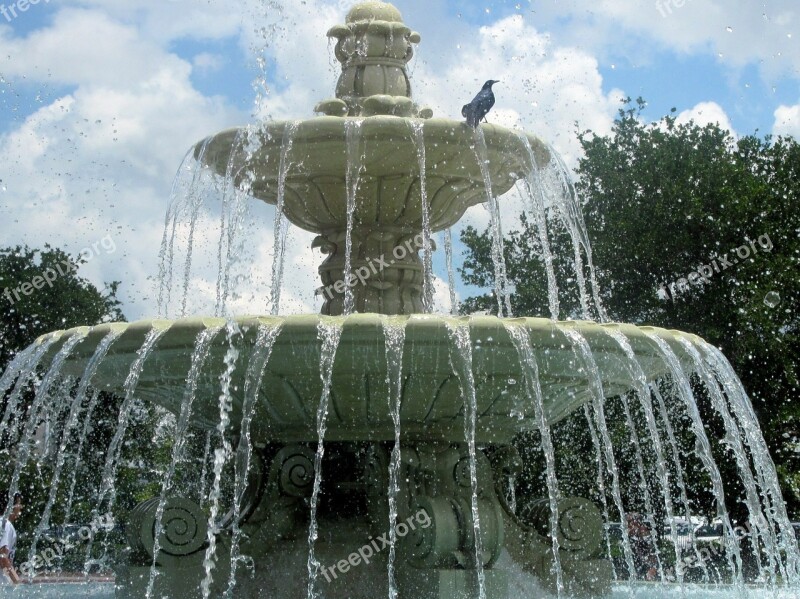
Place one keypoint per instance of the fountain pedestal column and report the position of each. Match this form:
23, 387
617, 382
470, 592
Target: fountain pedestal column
386, 273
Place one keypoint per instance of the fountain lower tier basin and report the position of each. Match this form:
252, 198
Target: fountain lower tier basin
433, 402
388, 150
640, 591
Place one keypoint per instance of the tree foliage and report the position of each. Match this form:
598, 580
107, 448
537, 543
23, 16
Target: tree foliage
662, 200
62, 300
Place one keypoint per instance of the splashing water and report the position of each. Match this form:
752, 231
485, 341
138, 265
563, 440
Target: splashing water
584, 352
527, 360
394, 334
72, 421
534, 192
281, 224
352, 130
461, 361
501, 289
265, 340
329, 333
202, 347
451, 275
221, 455
703, 450
427, 243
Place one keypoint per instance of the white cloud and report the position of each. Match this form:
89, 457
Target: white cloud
738, 33
206, 62
706, 113
545, 88
787, 121
99, 158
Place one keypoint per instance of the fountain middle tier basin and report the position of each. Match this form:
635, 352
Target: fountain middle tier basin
388, 150
433, 403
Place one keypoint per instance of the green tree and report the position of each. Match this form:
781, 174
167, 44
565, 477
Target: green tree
41, 291
660, 201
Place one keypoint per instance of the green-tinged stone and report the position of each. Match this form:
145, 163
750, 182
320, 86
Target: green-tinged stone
432, 402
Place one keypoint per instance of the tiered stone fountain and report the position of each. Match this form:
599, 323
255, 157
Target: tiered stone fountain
339, 420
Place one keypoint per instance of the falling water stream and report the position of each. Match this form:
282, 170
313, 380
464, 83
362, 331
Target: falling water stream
461, 361
195, 198
569, 202
451, 275
265, 340
703, 451
87, 425
235, 202
115, 446
177, 197
16, 379
764, 466
202, 495
281, 224
221, 455
582, 350
329, 332
534, 192
639, 378
71, 422
427, 244
394, 333
527, 359
202, 348
352, 128
500, 281
761, 528
601, 481
42, 395
681, 482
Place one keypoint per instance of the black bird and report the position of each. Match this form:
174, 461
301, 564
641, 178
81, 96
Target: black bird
480, 106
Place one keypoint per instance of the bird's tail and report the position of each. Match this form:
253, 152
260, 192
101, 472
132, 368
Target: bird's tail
468, 112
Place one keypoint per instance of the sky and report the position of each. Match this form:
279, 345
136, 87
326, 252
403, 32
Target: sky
100, 101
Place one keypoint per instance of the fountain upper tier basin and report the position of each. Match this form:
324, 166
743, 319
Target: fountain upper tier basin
388, 194
432, 402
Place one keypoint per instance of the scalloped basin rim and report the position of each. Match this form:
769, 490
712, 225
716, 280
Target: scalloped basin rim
304, 320
433, 400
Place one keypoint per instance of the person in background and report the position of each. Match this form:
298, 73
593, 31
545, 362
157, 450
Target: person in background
8, 538
644, 557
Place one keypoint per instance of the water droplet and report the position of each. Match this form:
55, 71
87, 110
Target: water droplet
772, 299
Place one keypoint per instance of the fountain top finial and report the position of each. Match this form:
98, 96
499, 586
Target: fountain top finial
374, 11
374, 46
